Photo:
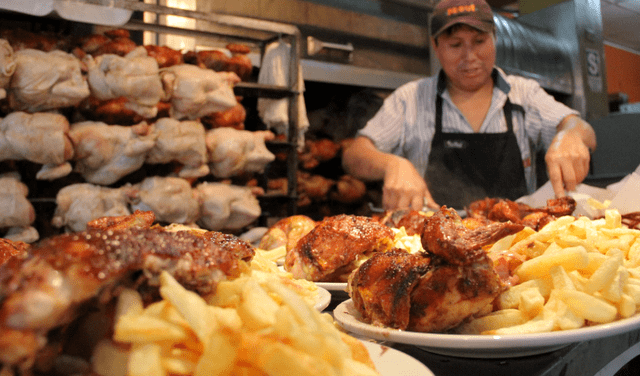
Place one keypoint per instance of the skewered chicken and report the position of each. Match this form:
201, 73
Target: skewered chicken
436, 290
226, 207
336, 246
135, 76
61, 277
239, 62
21, 39
232, 151
106, 153
165, 56
78, 204
16, 212
46, 80
10, 248
286, 232
317, 151
114, 42
500, 210
7, 67
183, 142
195, 92
232, 59
40, 138
349, 190
210, 59
171, 199
233, 118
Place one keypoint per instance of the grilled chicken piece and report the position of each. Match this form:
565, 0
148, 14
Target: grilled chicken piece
412, 220
436, 290
286, 232
47, 287
335, 247
445, 235
502, 210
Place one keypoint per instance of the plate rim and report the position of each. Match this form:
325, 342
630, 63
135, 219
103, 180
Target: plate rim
461, 342
377, 351
323, 299
333, 286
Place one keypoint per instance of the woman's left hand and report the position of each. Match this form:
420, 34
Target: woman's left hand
569, 154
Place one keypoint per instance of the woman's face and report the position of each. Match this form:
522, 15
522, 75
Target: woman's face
467, 56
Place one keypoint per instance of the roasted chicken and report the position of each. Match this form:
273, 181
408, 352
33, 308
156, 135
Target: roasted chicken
286, 232
436, 290
413, 221
501, 210
336, 246
49, 286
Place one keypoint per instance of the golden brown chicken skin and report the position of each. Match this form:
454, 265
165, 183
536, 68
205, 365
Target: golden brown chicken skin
330, 251
502, 210
436, 290
46, 288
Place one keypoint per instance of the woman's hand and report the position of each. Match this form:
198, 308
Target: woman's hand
404, 187
569, 154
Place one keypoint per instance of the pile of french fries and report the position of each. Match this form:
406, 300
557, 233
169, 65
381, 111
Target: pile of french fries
576, 272
253, 325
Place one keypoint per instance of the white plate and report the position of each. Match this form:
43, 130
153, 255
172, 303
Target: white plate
391, 362
337, 289
480, 346
324, 298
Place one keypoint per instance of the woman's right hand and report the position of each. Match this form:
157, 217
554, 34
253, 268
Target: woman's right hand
404, 187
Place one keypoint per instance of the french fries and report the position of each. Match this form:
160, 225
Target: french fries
254, 325
576, 272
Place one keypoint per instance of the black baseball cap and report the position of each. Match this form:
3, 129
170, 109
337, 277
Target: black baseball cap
475, 13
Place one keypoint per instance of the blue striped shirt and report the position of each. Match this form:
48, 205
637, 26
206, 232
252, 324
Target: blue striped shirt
405, 124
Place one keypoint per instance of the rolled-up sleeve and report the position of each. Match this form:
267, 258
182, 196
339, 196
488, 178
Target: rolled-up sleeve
543, 111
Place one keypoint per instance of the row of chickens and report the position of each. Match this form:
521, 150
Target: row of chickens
108, 73
209, 205
103, 153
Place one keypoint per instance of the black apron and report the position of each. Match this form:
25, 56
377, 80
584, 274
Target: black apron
464, 167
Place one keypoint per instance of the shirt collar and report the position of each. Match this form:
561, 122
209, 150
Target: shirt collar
499, 81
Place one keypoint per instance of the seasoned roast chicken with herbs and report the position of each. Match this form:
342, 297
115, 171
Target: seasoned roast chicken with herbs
435, 290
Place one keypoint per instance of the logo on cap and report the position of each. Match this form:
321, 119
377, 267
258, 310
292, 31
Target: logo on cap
461, 9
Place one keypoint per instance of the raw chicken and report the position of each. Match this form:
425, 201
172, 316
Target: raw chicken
181, 141
40, 138
195, 92
16, 212
67, 276
171, 199
435, 290
226, 207
106, 153
233, 151
134, 76
78, 204
46, 80
336, 246
7, 67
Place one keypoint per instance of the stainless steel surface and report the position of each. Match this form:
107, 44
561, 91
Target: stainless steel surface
578, 25
315, 45
531, 52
